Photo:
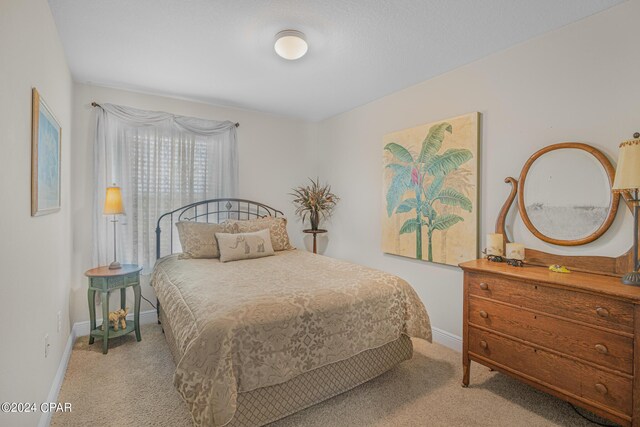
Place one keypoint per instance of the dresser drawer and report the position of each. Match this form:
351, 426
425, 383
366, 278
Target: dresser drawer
593, 309
604, 348
574, 378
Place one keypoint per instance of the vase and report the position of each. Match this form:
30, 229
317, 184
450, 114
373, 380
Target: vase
314, 218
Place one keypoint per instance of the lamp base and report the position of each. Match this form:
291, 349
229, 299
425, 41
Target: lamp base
115, 265
632, 278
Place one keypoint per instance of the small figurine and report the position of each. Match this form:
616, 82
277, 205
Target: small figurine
118, 317
557, 268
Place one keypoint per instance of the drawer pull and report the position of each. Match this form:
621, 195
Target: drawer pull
602, 312
484, 286
484, 314
601, 348
484, 344
601, 388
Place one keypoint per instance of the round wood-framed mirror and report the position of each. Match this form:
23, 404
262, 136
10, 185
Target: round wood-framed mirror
567, 206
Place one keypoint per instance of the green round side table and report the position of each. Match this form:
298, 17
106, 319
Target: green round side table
104, 280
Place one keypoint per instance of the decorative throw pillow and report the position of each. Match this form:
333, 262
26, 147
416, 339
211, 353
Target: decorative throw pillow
244, 245
277, 228
198, 239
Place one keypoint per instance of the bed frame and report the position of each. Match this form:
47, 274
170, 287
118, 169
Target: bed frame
304, 390
209, 211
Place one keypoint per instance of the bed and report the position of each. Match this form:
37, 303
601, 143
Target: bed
257, 340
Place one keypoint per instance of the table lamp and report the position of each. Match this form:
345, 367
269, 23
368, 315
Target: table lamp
113, 206
627, 181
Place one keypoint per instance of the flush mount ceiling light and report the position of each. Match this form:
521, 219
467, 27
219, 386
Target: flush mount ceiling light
291, 44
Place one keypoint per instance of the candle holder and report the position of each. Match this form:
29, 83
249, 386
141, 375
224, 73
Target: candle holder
498, 258
515, 262
492, 258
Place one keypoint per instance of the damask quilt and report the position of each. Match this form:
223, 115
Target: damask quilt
243, 325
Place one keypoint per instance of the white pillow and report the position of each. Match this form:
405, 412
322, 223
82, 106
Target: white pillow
244, 245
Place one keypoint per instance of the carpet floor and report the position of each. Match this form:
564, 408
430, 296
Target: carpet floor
132, 385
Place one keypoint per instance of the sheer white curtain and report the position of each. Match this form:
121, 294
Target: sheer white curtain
161, 162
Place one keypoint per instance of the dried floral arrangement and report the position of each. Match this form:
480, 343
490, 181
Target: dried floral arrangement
314, 200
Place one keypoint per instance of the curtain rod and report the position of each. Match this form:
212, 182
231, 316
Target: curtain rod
95, 104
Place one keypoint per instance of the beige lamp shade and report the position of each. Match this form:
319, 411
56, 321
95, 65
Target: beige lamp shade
113, 202
628, 171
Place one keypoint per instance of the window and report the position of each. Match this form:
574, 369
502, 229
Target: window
161, 164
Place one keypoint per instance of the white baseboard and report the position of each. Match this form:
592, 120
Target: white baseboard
447, 339
45, 418
81, 329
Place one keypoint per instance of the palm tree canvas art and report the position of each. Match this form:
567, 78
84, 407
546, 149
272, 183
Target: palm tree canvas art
430, 190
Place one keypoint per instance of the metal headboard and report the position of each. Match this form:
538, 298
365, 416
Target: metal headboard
212, 211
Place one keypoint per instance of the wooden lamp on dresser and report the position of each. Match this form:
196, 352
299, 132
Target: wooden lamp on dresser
574, 335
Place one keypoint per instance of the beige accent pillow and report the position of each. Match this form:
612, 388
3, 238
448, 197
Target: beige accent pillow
238, 246
277, 228
198, 239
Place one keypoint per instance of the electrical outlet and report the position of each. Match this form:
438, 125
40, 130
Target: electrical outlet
59, 321
46, 345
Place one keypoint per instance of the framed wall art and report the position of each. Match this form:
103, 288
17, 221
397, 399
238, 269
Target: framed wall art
430, 191
46, 138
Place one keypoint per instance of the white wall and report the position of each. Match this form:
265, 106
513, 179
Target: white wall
579, 83
275, 155
35, 258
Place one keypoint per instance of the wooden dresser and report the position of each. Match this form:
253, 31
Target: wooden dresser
573, 335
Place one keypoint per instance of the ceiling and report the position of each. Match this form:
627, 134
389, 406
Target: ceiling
221, 52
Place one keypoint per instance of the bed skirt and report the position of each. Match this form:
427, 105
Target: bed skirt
265, 405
